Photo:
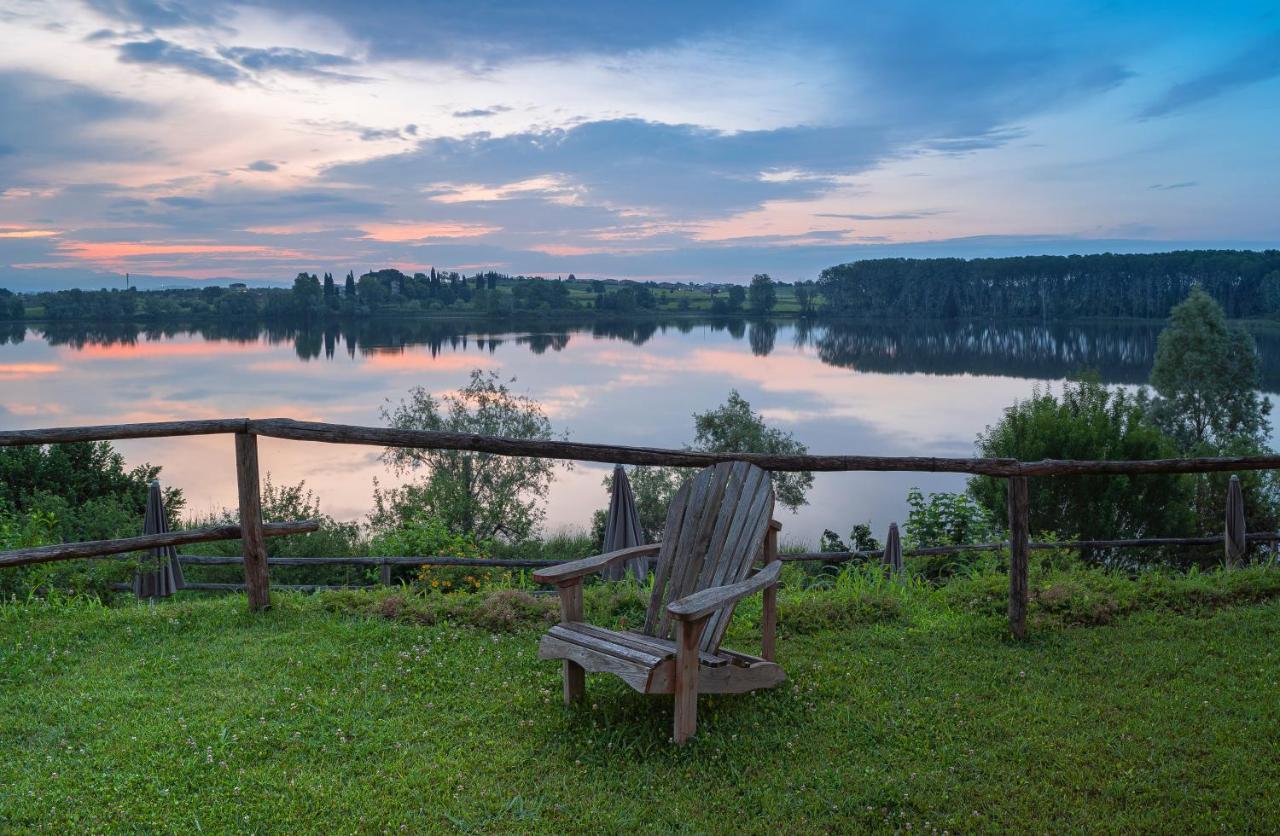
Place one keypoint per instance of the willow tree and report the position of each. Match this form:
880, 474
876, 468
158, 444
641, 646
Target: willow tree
481, 494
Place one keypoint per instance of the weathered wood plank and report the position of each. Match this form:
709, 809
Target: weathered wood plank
702, 604
769, 607
612, 453
575, 679
662, 571
114, 432
585, 659
561, 572
98, 548
609, 646
735, 679
391, 437
741, 552
425, 560
1018, 555
649, 644
257, 582
688, 638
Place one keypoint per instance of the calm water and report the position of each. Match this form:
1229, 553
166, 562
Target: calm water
903, 389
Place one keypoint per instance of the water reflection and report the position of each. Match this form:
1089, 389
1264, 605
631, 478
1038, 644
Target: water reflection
1119, 352
852, 387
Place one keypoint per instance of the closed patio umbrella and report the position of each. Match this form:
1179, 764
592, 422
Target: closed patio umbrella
622, 527
1236, 543
893, 549
160, 574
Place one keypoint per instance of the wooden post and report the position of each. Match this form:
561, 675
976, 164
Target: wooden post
257, 583
769, 615
575, 678
688, 637
1019, 551
386, 573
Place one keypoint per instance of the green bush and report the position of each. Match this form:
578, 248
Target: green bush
422, 535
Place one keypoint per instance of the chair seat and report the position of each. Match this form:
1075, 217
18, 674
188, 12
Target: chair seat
646, 663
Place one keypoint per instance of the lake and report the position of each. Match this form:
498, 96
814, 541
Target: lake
847, 387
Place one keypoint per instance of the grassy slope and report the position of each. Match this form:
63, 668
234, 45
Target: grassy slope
193, 715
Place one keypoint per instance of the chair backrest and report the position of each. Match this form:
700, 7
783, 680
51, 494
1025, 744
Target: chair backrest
715, 528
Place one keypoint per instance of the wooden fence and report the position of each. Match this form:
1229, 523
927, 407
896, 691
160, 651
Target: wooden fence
252, 531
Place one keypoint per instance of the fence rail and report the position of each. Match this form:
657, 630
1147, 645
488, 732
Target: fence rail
98, 548
286, 428
253, 531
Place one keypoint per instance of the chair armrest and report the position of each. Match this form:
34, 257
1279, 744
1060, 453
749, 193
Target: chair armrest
587, 565
702, 604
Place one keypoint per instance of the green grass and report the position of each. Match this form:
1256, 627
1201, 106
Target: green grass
907, 705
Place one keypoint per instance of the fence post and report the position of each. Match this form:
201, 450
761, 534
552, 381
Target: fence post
769, 613
386, 572
1019, 551
257, 584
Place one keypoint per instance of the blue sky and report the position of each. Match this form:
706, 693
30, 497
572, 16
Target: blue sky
661, 140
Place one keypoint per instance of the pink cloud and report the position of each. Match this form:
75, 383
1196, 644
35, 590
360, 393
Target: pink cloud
116, 253
402, 232
26, 232
26, 371
166, 349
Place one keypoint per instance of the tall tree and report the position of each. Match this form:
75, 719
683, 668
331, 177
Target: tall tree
1206, 377
306, 290
762, 295
733, 427
481, 494
349, 289
805, 298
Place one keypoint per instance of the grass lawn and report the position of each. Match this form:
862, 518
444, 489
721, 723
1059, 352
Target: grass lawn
192, 715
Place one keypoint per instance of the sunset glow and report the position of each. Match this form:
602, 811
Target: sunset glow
238, 140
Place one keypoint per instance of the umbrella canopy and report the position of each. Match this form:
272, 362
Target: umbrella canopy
893, 549
1236, 543
160, 574
622, 527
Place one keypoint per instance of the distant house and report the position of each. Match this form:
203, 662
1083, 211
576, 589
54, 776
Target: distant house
238, 287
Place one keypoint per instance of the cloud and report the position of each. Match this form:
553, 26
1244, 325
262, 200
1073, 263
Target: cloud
1164, 187
262, 165
881, 216
46, 122
480, 111
161, 53
681, 170
466, 33
365, 132
157, 14
1258, 63
401, 232
301, 62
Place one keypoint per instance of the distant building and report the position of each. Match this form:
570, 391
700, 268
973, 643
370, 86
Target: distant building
238, 287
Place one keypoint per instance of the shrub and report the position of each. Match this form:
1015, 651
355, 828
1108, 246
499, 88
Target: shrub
422, 535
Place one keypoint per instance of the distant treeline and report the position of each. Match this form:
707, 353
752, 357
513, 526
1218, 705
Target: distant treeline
386, 292
1245, 283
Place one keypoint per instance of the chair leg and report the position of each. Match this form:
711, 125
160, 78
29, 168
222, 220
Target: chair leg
575, 682
688, 636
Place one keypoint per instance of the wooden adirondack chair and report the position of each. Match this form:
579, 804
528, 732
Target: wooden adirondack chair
717, 525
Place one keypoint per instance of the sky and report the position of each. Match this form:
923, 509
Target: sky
222, 139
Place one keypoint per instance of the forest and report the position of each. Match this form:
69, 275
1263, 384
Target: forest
1245, 283
391, 293
1043, 288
